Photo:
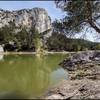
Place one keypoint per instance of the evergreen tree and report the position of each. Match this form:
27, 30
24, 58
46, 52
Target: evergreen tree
80, 14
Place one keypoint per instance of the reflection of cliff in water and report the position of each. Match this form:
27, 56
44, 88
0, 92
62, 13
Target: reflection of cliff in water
1, 57
28, 74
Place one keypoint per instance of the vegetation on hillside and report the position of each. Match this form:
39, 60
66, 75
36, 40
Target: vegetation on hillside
21, 41
59, 42
80, 14
31, 41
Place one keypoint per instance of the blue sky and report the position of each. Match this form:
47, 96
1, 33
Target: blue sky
48, 5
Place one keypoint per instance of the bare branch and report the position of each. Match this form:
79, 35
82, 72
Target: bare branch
93, 25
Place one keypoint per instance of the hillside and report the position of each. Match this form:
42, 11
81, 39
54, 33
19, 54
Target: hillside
59, 42
31, 29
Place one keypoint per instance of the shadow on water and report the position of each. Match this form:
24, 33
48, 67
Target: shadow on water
12, 95
29, 75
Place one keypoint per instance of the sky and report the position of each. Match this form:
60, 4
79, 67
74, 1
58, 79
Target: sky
50, 6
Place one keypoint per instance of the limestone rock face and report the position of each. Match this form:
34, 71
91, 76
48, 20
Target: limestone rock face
27, 18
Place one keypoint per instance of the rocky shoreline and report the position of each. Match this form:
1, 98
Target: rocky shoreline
84, 77
77, 89
83, 65
46, 52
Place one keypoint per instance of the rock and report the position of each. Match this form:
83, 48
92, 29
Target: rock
37, 17
89, 73
54, 96
79, 68
84, 78
77, 89
78, 59
83, 65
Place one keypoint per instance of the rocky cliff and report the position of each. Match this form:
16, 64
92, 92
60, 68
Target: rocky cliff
27, 18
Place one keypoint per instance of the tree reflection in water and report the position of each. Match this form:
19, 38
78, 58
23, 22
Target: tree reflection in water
28, 74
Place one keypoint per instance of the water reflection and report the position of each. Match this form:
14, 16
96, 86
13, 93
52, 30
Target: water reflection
12, 95
1, 57
29, 74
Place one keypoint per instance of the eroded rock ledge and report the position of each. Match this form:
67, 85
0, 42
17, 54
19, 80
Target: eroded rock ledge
77, 89
73, 62
84, 77
83, 65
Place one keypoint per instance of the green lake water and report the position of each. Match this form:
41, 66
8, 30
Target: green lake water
28, 76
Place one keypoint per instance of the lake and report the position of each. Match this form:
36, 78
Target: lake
28, 76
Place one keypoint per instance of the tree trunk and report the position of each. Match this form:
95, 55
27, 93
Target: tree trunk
94, 26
